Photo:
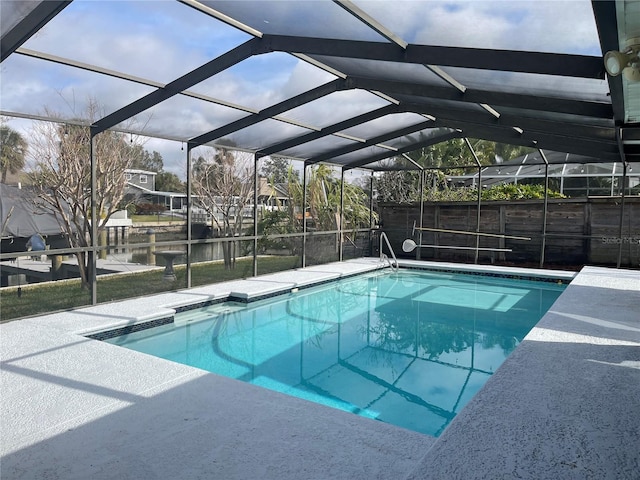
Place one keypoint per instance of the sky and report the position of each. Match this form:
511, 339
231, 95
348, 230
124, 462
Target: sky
161, 40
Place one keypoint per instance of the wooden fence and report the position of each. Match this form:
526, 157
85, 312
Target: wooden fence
578, 231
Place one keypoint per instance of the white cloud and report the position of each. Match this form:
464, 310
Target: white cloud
174, 155
163, 40
546, 25
304, 77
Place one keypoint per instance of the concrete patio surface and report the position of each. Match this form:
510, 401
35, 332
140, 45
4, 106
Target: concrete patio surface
565, 404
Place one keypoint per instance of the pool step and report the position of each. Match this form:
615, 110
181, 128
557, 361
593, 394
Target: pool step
207, 313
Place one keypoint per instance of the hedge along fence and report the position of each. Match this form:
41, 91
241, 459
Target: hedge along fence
578, 231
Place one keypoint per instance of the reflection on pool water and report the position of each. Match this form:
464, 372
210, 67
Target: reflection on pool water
408, 348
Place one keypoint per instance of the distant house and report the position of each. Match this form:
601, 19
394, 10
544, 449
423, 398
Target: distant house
141, 188
272, 196
143, 179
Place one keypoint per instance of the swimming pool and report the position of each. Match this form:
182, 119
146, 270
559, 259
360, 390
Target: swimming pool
409, 348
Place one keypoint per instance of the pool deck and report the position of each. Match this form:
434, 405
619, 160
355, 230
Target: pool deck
565, 404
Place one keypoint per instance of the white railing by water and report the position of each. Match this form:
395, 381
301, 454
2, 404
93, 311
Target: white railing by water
383, 256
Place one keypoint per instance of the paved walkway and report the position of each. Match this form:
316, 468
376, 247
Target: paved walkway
39, 267
566, 403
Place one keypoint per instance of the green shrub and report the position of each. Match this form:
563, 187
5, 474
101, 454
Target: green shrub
504, 192
149, 208
513, 191
276, 222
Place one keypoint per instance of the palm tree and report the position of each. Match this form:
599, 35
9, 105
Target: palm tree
323, 200
13, 149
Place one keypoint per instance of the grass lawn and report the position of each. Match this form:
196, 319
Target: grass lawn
41, 298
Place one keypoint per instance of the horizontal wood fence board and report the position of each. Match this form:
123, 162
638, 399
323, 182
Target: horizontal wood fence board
579, 231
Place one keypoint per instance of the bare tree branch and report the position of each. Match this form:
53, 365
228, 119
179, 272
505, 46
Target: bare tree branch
61, 171
223, 183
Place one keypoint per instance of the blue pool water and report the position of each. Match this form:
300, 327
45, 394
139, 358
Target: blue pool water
408, 348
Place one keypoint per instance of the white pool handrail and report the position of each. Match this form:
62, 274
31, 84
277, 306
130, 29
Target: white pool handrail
383, 256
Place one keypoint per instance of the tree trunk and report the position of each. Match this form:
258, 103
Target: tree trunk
83, 269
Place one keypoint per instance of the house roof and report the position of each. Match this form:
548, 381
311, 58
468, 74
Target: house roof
373, 88
136, 186
142, 172
268, 189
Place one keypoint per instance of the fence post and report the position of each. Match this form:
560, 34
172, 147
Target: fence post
545, 208
151, 238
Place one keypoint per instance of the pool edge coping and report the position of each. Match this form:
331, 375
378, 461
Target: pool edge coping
170, 309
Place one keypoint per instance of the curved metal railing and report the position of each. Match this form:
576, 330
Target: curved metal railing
383, 256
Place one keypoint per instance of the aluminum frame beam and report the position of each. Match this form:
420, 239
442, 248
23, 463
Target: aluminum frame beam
498, 134
329, 130
370, 22
566, 65
577, 138
531, 102
209, 69
30, 24
607, 25
371, 142
546, 141
270, 112
588, 131
573, 133
406, 149
531, 135
489, 130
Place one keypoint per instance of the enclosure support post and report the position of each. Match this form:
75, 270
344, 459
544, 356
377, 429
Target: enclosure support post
479, 208
423, 178
613, 178
189, 214
545, 208
622, 198
340, 232
304, 215
255, 215
422, 182
92, 274
624, 182
371, 214
475, 157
